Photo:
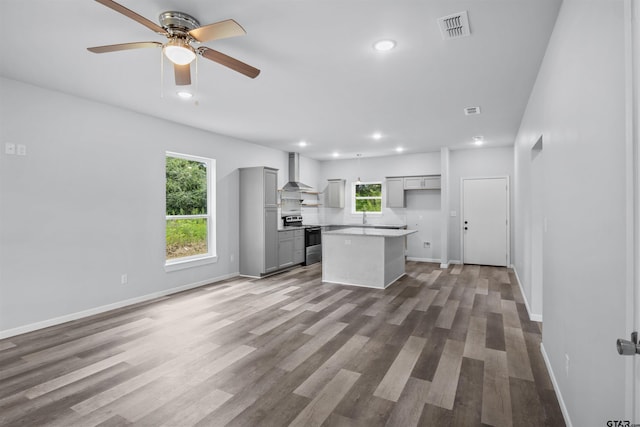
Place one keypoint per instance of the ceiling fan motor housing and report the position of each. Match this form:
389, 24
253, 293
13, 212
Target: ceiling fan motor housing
178, 23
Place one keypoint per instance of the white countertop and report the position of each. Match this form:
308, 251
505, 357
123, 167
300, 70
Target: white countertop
381, 232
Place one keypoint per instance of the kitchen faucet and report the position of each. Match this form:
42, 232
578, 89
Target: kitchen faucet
364, 217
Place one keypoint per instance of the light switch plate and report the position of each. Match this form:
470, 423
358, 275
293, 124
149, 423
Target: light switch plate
454, 214
22, 150
9, 148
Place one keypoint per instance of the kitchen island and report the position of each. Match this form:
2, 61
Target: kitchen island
370, 257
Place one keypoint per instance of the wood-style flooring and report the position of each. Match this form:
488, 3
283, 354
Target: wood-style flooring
437, 348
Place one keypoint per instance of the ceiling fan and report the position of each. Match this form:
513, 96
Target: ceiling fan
182, 30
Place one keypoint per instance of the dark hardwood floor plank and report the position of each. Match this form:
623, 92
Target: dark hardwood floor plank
409, 408
467, 408
496, 395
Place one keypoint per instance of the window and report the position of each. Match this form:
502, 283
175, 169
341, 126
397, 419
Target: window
367, 197
189, 210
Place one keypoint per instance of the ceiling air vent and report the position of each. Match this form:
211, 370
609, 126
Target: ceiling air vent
454, 26
470, 111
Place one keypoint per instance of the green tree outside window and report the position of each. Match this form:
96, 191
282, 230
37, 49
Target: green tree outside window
186, 208
368, 197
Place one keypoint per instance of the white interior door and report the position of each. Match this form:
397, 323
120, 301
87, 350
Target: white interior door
485, 221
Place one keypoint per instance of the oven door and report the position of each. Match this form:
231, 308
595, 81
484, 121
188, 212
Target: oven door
312, 236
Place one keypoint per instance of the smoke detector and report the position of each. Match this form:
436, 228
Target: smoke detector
471, 111
454, 26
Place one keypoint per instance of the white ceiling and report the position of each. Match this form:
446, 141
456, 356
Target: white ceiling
321, 81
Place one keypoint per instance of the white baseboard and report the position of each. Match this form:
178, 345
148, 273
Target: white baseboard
563, 407
446, 265
532, 316
97, 310
416, 259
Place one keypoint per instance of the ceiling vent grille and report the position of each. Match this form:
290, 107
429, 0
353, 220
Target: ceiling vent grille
470, 111
454, 26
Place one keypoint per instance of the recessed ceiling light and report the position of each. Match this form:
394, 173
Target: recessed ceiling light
478, 140
184, 94
399, 149
384, 45
302, 143
377, 136
336, 154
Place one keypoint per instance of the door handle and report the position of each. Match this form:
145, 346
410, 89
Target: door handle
628, 348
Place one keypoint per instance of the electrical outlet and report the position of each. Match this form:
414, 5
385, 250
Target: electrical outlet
124, 279
347, 241
566, 365
231, 258
22, 150
427, 244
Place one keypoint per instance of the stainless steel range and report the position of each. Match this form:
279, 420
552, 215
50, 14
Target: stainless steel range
312, 238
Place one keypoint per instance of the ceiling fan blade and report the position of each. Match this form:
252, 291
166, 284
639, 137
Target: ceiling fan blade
131, 14
219, 30
183, 74
227, 61
122, 46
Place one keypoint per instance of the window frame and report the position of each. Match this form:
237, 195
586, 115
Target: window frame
211, 255
354, 198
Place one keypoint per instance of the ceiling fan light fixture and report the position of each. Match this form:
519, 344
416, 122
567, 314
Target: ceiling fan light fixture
179, 52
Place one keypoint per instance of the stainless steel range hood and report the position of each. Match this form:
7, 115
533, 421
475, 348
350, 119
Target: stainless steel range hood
294, 183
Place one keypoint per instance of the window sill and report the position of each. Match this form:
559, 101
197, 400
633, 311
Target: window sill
189, 263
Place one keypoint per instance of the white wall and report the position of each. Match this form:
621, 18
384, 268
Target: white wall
87, 204
474, 163
578, 107
422, 211
423, 208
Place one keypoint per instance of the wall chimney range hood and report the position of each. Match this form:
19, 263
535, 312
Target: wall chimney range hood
294, 183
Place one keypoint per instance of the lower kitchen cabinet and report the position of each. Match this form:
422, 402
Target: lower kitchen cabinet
290, 248
298, 247
270, 239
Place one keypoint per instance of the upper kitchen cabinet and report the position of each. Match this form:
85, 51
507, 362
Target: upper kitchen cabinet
395, 192
258, 221
427, 182
334, 196
270, 182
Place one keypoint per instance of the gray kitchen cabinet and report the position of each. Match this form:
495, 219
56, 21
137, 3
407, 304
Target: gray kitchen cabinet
290, 248
285, 249
270, 240
395, 193
334, 197
270, 188
429, 182
298, 246
258, 221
